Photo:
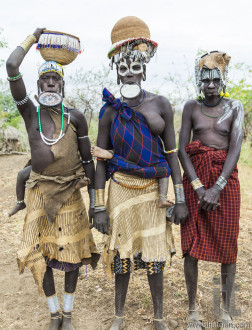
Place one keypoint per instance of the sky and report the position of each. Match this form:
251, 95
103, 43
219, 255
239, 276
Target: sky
180, 27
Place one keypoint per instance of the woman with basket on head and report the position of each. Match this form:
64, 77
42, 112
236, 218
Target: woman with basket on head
56, 231
139, 235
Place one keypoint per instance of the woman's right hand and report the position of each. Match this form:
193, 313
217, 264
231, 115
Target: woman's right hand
37, 33
201, 192
101, 222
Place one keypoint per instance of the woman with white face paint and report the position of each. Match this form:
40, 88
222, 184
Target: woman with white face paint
211, 181
133, 127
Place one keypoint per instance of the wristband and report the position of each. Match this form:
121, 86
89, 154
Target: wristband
196, 184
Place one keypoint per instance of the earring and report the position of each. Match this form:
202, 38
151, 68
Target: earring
38, 91
118, 80
226, 94
144, 76
63, 92
221, 94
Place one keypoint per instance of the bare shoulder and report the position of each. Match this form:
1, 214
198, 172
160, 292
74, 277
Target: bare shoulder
234, 104
161, 101
191, 104
76, 114
107, 114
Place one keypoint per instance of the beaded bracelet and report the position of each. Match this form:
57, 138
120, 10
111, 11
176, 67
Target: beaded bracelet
19, 76
170, 151
22, 101
87, 161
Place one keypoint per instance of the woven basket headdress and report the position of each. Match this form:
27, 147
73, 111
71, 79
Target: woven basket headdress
130, 37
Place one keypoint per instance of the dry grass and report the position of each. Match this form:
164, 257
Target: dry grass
22, 308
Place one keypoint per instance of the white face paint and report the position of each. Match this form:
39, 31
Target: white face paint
135, 67
207, 74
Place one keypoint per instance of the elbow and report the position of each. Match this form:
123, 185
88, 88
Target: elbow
11, 65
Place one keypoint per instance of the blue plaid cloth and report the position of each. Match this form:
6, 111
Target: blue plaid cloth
137, 150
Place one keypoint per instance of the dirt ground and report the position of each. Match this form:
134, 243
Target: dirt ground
22, 308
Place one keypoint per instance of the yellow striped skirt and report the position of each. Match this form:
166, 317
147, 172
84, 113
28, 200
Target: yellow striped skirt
137, 225
68, 239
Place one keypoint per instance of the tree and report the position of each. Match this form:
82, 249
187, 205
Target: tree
86, 90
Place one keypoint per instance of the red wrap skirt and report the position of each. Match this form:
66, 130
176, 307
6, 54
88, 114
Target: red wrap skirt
211, 235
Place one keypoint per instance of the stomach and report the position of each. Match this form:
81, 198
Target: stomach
212, 140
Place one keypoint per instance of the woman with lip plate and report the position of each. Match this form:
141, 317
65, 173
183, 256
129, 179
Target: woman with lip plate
138, 234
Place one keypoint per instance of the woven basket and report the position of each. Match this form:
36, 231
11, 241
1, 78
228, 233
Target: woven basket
129, 27
60, 51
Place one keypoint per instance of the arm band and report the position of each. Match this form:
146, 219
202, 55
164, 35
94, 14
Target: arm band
91, 193
28, 42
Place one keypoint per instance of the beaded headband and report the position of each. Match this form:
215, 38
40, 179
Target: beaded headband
51, 66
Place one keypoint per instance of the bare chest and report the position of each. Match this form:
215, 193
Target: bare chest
218, 121
153, 118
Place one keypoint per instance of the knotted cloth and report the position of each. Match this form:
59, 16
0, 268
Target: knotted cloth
137, 150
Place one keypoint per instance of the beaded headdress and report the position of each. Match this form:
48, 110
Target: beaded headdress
212, 60
51, 66
130, 38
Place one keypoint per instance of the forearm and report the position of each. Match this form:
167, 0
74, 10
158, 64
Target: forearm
100, 175
172, 160
90, 173
187, 165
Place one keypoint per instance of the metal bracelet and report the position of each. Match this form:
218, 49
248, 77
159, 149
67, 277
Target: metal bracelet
196, 184
87, 161
221, 182
99, 208
99, 197
20, 202
179, 194
91, 193
22, 101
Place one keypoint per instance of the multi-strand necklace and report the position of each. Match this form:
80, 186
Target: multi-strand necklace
51, 142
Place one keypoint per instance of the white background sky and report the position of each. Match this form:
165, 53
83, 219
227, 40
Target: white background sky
181, 27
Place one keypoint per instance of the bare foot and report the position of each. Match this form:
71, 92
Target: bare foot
17, 208
164, 203
160, 325
225, 320
194, 320
101, 153
54, 324
82, 183
67, 324
118, 324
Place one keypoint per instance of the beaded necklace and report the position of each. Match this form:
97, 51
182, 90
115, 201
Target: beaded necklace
209, 115
51, 142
